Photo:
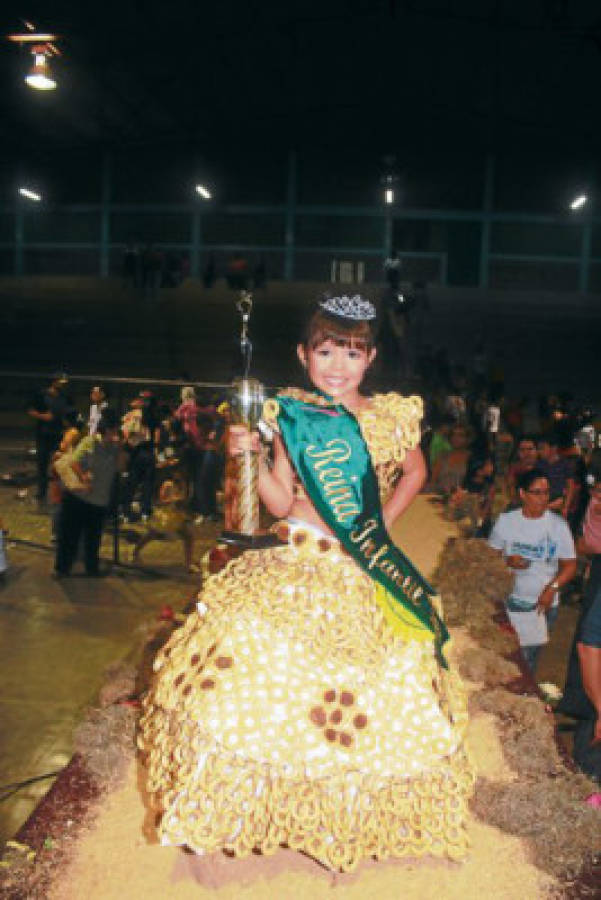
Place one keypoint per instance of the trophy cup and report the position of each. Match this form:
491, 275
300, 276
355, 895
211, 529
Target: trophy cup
247, 396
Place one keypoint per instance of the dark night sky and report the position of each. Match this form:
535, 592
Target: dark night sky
177, 90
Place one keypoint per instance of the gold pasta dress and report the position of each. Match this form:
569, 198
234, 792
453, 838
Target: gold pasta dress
286, 711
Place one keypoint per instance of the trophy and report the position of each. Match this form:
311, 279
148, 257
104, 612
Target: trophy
247, 396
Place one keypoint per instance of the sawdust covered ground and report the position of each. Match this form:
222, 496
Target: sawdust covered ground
118, 855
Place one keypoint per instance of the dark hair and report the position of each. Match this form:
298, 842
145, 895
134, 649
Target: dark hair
321, 326
108, 421
476, 462
532, 438
527, 478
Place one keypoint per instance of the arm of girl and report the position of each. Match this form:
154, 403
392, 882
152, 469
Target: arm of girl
411, 482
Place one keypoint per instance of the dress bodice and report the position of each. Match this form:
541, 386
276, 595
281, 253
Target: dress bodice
390, 424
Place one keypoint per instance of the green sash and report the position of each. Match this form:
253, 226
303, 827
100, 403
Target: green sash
332, 460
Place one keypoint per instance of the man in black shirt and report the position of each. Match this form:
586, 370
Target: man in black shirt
48, 409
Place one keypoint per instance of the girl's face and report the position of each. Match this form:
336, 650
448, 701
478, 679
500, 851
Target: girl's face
337, 370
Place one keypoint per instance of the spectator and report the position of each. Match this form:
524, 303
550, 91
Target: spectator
171, 518
209, 472
558, 472
455, 405
538, 546
475, 497
449, 471
492, 420
139, 430
98, 404
574, 457
70, 439
582, 692
187, 413
48, 409
95, 462
440, 438
526, 459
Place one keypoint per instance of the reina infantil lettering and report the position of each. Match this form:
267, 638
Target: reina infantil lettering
337, 490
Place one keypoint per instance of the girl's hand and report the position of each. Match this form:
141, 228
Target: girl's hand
241, 440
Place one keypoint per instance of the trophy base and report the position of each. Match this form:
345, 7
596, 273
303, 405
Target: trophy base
258, 541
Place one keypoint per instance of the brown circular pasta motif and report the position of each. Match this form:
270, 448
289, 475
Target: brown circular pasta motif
318, 716
336, 717
360, 721
330, 734
347, 698
329, 696
207, 684
224, 662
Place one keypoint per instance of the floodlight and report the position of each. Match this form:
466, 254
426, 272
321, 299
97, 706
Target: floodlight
39, 76
31, 195
203, 191
389, 195
578, 202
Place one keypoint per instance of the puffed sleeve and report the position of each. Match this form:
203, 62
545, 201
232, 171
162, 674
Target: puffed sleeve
407, 413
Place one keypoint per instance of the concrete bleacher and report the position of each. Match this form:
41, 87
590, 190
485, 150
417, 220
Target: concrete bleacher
90, 325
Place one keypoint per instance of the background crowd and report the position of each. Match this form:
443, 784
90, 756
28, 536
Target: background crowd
158, 464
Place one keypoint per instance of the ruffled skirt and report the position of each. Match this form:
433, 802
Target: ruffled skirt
286, 712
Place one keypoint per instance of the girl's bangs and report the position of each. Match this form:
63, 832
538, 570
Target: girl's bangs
325, 328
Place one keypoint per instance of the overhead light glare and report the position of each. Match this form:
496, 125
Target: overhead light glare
578, 202
389, 196
31, 195
39, 76
203, 191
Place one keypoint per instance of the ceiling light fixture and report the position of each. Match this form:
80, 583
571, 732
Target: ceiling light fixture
31, 195
42, 48
39, 76
203, 191
578, 202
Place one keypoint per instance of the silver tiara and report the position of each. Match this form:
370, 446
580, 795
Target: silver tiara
356, 307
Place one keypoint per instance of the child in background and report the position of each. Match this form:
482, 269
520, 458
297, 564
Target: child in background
476, 495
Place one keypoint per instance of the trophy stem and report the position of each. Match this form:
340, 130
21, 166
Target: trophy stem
248, 495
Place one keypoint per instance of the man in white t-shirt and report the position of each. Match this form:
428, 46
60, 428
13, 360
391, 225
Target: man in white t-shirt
538, 546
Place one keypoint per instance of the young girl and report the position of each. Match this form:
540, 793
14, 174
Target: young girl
308, 702
170, 518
